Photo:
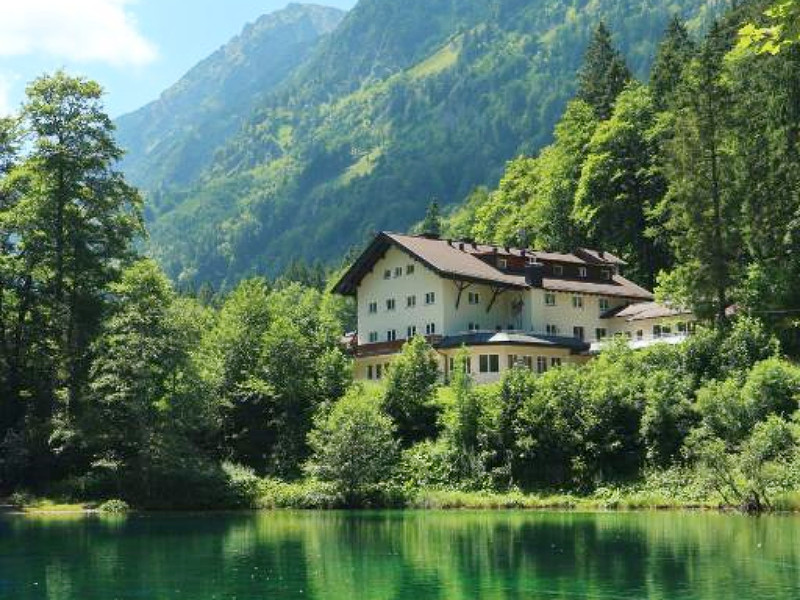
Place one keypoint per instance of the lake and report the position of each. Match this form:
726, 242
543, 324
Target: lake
400, 556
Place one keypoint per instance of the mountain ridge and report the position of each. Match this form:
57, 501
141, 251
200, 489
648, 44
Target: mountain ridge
343, 147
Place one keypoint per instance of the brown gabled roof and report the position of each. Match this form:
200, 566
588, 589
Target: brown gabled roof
645, 310
618, 286
444, 259
461, 260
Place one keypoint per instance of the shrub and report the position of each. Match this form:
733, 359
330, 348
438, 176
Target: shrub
354, 448
244, 486
116, 507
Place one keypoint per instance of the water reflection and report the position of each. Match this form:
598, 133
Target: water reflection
396, 555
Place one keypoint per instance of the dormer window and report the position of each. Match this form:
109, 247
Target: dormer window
582, 272
606, 274
502, 263
558, 270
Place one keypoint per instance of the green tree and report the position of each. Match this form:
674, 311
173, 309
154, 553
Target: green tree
70, 218
354, 447
674, 53
604, 74
702, 204
145, 393
781, 31
622, 183
410, 389
432, 225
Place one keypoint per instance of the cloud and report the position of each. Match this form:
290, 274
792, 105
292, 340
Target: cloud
74, 30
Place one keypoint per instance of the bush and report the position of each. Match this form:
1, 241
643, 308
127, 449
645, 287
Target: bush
244, 486
116, 507
354, 448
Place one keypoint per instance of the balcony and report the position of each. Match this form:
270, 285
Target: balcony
640, 343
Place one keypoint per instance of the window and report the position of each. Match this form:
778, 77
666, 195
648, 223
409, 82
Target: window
430, 298
502, 263
474, 326
606, 274
474, 298
558, 270
373, 307
489, 363
369, 372
391, 335
541, 364
378, 370
582, 272
411, 301
666, 330
398, 271
513, 361
387, 274
639, 334
390, 304
409, 269
373, 337
600, 333
510, 327
578, 332
656, 331
411, 331
528, 360
603, 303
549, 299
555, 362
551, 329
681, 327
577, 302
430, 329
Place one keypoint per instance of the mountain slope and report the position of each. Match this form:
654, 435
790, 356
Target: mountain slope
172, 139
394, 108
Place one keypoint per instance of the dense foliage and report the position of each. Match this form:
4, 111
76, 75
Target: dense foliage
401, 104
694, 179
114, 385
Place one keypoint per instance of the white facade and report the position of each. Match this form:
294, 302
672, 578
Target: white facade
399, 296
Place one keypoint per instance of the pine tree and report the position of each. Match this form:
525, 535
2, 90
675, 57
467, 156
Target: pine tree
674, 53
432, 225
604, 74
703, 204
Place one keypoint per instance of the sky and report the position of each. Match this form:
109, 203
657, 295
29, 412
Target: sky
134, 48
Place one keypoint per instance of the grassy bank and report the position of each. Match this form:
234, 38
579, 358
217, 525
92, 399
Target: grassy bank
279, 495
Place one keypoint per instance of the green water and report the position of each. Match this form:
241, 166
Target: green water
400, 556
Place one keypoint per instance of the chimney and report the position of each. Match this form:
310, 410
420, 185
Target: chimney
534, 274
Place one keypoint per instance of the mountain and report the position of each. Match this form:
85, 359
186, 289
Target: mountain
170, 141
403, 102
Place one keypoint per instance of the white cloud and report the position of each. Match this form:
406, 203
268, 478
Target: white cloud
75, 30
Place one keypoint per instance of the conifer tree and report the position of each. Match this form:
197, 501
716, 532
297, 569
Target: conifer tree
674, 53
703, 206
432, 225
604, 74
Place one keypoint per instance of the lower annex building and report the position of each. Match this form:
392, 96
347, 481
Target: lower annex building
506, 306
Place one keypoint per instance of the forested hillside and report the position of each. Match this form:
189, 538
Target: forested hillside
693, 178
402, 103
115, 385
170, 141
